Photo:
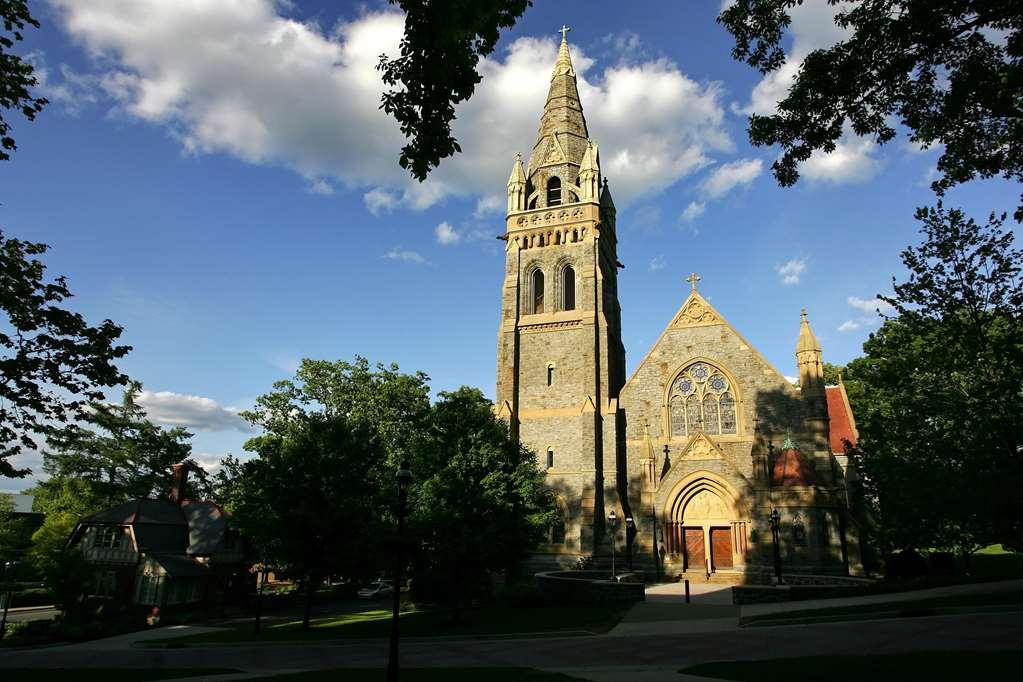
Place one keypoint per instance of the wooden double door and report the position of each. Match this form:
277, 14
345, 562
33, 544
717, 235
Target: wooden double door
720, 548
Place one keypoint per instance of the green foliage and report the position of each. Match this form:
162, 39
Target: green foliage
938, 399
49, 540
11, 530
947, 70
443, 43
480, 503
310, 502
68, 577
122, 456
51, 361
317, 499
16, 74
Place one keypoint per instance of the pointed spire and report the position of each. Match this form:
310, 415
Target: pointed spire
807, 341
517, 187
518, 175
605, 196
562, 136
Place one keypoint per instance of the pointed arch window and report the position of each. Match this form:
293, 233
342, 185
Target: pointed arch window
702, 399
554, 191
536, 291
568, 288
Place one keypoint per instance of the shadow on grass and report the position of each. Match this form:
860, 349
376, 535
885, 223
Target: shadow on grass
108, 674
486, 621
936, 666
431, 675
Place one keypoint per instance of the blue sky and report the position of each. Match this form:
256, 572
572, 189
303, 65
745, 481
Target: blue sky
215, 176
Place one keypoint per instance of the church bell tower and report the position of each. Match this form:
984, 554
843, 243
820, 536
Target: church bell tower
560, 358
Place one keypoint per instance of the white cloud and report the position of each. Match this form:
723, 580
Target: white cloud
379, 200
727, 177
871, 311
489, 204
792, 271
694, 210
447, 235
792, 380
870, 305
656, 263
404, 255
852, 160
190, 411
254, 84
322, 187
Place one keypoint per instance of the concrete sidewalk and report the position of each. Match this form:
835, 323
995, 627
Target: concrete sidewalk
755, 610
665, 611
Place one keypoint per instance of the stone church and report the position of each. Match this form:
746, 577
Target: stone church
703, 441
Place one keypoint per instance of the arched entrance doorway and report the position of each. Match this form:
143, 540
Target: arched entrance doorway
703, 527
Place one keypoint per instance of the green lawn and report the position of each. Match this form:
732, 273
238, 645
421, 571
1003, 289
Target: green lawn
107, 674
918, 607
431, 675
932, 667
495, 620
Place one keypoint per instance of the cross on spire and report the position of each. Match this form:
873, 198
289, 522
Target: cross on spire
693, 278
564, 32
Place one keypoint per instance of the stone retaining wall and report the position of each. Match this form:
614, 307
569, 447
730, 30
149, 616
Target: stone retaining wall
589, 587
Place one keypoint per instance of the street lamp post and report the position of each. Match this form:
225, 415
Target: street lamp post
775, 518
403, 477
630, 534
612, 523
6, 594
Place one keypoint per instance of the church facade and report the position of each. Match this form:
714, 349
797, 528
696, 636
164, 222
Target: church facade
702, 442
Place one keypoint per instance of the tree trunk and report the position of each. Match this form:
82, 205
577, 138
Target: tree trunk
310, 587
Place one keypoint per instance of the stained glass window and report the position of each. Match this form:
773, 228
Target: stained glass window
709, 401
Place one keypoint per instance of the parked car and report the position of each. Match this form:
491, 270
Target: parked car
376, 590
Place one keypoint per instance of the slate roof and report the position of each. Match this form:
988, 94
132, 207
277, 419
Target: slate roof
193, 527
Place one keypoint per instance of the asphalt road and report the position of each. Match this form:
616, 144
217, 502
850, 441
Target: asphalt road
977, 632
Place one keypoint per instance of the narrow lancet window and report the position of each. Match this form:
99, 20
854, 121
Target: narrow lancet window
537, 291
568, 288
554, 192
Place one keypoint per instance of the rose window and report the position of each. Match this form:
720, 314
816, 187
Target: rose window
702, 399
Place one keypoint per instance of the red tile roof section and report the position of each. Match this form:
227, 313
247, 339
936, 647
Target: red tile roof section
791, 468
843, 425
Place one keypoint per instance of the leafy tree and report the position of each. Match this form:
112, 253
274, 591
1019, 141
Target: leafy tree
941, 413
311, 499
947, 70
316, 499
16, 74
51, 361
122, 456
49, 539
443, 43
479, 503
11, 530
393, 403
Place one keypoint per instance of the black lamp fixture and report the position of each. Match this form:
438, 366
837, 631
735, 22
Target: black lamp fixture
612, 524
775, 520
402, 477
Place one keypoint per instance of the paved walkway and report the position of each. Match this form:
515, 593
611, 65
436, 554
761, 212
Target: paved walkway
665, 611
752, 610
